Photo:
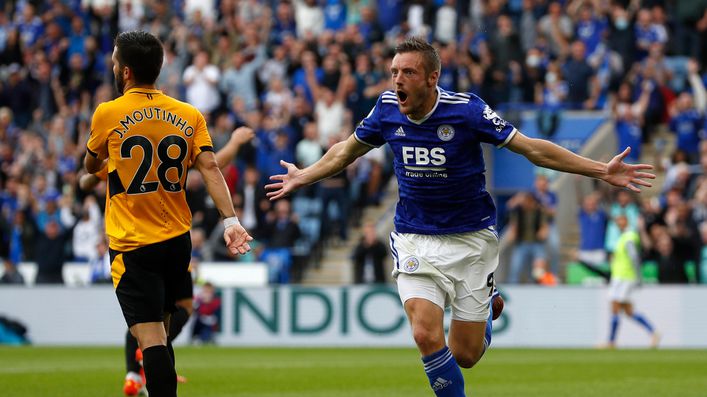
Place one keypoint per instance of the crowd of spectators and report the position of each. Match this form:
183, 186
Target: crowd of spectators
672, 226
302, 73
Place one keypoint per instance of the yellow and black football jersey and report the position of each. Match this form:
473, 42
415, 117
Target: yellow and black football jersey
150, 140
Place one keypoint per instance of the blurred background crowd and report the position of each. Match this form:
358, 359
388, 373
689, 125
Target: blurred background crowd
302, 73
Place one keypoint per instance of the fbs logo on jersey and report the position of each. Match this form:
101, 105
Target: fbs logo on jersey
400, 131
423, 156
445, 132
411, 264
491, 116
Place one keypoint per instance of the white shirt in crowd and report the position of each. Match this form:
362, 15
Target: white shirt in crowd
329, 120
202, 92
87, 234
446, 26
206, 7
308, 152
308, 18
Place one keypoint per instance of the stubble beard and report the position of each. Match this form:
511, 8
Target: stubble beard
119, 84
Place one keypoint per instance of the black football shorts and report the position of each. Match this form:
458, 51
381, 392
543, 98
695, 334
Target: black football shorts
152, 278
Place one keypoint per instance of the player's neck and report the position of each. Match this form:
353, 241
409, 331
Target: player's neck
426, 107
130, 85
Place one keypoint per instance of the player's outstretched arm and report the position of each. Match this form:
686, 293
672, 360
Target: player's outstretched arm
239, 137
235, 236
549, 155
334, 161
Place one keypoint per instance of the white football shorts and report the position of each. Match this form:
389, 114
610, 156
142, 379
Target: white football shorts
592, 257
620, 290
451, 269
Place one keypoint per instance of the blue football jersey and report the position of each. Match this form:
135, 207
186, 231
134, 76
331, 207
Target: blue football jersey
687, 125
438, 161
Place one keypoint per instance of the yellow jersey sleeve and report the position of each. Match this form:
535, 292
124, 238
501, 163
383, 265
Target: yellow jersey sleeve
97, 141
202, 139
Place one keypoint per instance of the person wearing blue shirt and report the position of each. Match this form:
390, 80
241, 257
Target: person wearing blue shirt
283, 24
590, 29
629, 118
389, 13
299, 78
445, 246
687, 115
686, 125
450, 73
647, 33
581, 77
334, 15
30, 26
592, 234
76, 38
592, 223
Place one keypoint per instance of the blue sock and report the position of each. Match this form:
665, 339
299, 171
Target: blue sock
444, 374
642, 320
614, 327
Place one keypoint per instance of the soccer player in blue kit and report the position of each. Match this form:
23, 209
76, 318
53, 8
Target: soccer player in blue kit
444, 245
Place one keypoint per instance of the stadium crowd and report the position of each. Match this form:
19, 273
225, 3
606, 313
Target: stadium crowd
302, 73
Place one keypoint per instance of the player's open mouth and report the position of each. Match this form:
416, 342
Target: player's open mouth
402, 97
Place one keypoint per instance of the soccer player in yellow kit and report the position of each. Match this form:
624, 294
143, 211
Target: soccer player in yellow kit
135, 376
148, 141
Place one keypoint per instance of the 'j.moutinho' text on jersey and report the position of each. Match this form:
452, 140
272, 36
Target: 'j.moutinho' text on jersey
150, 140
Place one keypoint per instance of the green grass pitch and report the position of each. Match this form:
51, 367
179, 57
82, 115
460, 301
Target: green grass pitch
272, 372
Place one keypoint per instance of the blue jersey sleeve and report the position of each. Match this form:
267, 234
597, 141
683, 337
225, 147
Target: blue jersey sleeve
488, 125
368, 130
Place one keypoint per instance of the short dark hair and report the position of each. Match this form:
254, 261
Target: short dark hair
429, 53
142, 53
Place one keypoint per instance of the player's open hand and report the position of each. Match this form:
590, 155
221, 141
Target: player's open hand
237, 239
630, 176
284, 183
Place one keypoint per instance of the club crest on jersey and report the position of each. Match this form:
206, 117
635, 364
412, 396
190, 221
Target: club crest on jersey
445, 132
411, 264
490, 115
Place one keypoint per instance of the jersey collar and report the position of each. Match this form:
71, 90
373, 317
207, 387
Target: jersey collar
427, 116
140, 90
